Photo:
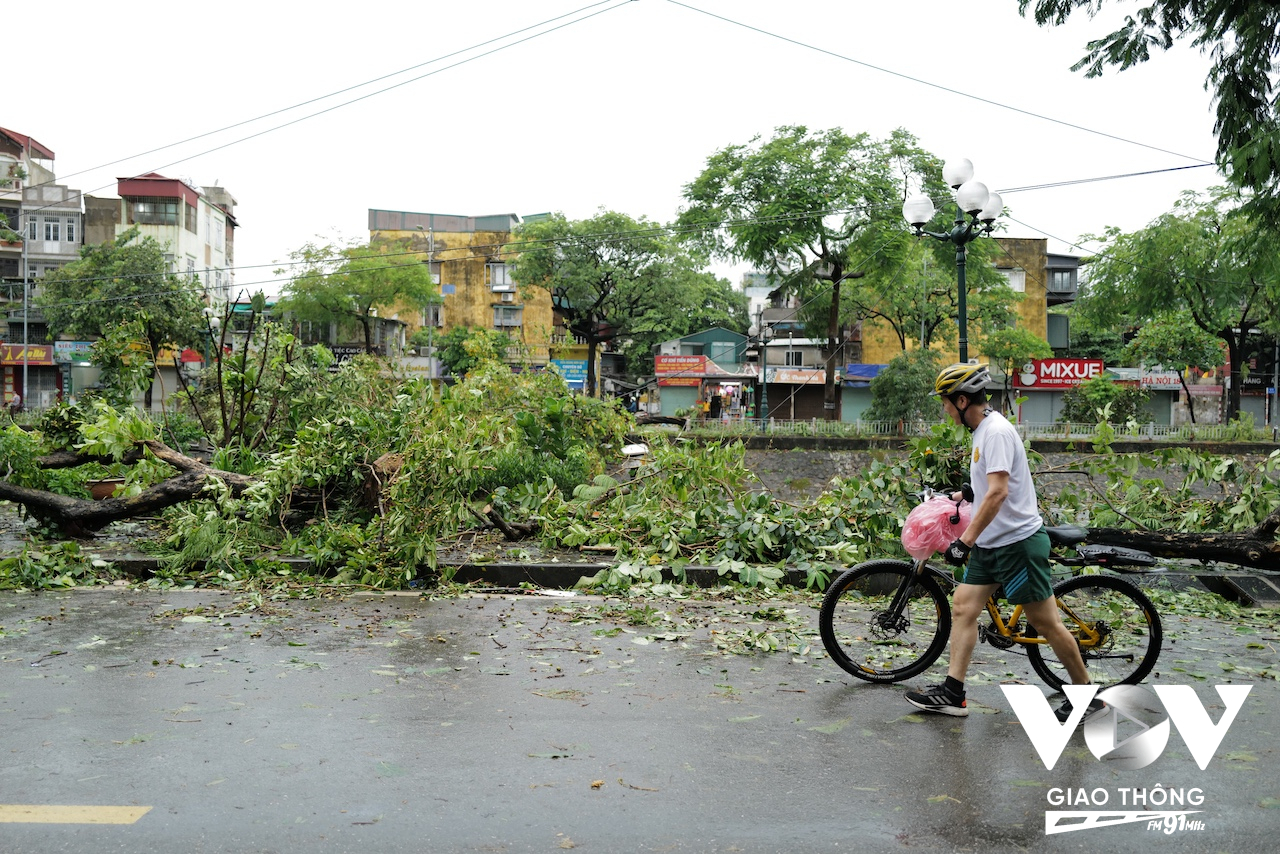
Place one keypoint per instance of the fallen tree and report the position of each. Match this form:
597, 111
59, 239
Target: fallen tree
1256, 548
80, 517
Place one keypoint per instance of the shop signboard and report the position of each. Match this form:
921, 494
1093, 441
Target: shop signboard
1056, 374
574, 371
797, 376
1159, 380
31, 354
679, 370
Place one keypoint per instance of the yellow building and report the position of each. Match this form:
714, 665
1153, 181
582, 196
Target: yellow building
1042, 278
471, 259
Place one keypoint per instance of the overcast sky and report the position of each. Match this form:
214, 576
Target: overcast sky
618, 111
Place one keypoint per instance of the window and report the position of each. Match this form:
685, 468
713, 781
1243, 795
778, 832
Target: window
1015, 278
32, 234
71, 229
795, 359
191, 267
1062, 281
431, 316
191, 223
154, 211
505, 316
170, 265
52, 229
499, 276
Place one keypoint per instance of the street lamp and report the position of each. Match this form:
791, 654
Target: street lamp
979, 204
760, 332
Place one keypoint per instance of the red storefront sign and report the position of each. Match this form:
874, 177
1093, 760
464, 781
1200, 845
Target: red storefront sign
1050, 374
36, 354
680, 370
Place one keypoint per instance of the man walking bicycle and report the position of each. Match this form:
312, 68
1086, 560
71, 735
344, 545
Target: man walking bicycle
1005, 544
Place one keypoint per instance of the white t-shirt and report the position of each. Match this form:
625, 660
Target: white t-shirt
998, 447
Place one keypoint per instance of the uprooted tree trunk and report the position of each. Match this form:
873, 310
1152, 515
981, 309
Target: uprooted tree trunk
1257, 548
81, 517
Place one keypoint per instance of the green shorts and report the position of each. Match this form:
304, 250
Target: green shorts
1021, 568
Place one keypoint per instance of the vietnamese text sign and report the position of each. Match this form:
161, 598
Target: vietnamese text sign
35, 354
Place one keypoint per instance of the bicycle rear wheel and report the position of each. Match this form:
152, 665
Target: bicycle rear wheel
1115, 626
880, 631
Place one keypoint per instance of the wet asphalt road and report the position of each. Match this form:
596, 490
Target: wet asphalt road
494, 724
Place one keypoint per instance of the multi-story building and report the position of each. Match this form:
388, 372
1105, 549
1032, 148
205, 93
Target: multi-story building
470, 259
47, 217
196, 225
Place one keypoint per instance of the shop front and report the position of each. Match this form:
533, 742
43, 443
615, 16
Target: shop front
799, 394
1042, 382
43, 378
697, 384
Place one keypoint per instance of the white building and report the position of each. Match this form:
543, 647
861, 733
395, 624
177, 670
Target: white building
196, 225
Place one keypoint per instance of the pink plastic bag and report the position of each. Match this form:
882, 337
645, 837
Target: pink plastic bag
929, 529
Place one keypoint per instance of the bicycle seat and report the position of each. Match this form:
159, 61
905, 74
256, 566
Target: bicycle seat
1067, 535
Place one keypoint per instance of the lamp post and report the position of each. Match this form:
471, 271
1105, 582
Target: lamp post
761, 332
981, 208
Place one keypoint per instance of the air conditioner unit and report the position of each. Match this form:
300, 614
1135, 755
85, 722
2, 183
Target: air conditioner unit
508, 296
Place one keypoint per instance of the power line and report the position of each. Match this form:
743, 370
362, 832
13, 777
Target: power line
938, 86
337, 92
498, 49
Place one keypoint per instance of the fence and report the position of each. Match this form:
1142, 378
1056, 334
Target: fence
1059, 431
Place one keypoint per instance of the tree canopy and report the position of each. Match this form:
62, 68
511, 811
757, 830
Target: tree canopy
124, 281
1206, 258
351, 285
1172, 341
611, 277
1243, 42
819, 209
1009, 348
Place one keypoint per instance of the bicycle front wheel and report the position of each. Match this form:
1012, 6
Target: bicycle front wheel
883, 623
1115, 626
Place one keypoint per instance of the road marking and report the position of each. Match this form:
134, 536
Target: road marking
67, 814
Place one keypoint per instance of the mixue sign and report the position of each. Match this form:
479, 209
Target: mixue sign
1130, 732
1057, 373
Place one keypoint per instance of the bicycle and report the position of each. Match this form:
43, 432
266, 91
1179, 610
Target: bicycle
886, 620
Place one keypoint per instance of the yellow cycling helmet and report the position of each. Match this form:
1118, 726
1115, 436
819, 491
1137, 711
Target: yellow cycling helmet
961, 379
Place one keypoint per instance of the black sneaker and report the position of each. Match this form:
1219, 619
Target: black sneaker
939, 699
1063, 712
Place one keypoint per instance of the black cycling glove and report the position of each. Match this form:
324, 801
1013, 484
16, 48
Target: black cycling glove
957, 553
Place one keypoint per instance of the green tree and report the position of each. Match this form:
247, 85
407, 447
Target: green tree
609, 276
706, 301
903, 390
464, 348
920, 301
1243, 42
1009, 349
1103, 400
1174, 342
818, 209
126, 280
352, 285
1087, 342
1206, 258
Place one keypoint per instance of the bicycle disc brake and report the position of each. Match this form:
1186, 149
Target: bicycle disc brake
885, 624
